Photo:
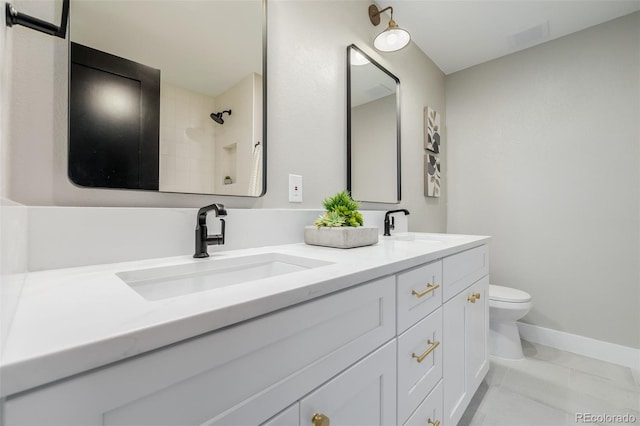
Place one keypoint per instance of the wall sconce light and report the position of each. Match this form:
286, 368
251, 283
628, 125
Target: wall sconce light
393, 38
13, 17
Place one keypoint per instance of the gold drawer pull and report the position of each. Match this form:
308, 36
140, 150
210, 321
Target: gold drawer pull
421, 358
430, 288
431, 422
476, 295
320, 420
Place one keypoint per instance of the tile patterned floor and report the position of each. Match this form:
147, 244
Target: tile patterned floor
550, 387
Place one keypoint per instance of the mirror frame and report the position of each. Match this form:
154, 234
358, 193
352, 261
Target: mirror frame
398, 139
264, 120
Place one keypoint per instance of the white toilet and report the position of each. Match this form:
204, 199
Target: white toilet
506, 306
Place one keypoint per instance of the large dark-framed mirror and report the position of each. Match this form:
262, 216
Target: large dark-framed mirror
373, 130
210, 136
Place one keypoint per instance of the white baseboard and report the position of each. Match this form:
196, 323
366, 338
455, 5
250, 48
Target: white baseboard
605, 351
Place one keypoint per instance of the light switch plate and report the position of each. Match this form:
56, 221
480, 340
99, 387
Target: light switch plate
295, 188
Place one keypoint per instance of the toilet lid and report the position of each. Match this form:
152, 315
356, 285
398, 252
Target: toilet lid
507, 294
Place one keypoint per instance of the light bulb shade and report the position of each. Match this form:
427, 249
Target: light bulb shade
392, 39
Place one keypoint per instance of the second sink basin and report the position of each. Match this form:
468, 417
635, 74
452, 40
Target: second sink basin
425, 237
171, 281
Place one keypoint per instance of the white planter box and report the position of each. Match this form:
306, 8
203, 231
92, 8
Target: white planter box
341, 237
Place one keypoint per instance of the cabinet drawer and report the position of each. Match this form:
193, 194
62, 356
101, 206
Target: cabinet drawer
419, 293
430, 411
463, 269
419, 363
243, 374
287, 417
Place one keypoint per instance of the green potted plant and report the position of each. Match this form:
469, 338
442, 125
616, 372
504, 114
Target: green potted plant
341, 225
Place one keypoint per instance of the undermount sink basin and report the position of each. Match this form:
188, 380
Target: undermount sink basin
171, 281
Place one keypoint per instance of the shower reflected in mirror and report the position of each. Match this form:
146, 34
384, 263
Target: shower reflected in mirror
190, 150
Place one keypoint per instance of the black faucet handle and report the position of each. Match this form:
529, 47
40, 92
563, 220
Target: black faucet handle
220, 210
202, 213
389, 221
203, 239
405, 211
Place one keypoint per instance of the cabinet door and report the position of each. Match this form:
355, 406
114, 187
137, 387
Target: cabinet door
465, 329
454, 314
478, 336
364, 394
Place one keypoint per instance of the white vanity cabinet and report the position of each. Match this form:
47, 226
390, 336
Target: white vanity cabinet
448, 334
404, 349
465, 328
241, 375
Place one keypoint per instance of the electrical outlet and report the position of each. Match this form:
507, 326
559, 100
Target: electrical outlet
295, 188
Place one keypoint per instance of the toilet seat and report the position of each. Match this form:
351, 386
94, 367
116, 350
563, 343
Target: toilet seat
507, 294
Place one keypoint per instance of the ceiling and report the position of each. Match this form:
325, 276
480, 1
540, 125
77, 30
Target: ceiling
459, 34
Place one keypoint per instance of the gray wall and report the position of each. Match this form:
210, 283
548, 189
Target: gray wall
544, 156
306, 122
13, 217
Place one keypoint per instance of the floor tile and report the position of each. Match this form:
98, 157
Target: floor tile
636, 376
474, 415
615, 373
612, 372
545, 353
550, 392
550, 387
622, 396
538, 370
477, 420
496, 374
504, 407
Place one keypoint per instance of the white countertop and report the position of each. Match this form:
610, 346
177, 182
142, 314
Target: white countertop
72, 320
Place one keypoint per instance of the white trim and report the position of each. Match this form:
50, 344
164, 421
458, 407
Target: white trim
604, 351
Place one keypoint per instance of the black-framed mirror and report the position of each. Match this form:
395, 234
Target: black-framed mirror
210, 103
373, 130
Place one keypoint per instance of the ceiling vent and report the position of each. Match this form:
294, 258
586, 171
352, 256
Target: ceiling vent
530, 37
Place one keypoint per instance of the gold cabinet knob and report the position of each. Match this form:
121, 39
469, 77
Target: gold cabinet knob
431, 422
477, 295
320, 420
472, 298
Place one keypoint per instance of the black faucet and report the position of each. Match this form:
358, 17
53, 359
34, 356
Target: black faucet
390, 224
203, 240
